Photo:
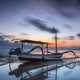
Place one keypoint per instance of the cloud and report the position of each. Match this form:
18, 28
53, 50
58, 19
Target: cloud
71, 37
25, 34
68, 26
0, 33
1, 38
78, 35
6, 36
67, 8
40, 25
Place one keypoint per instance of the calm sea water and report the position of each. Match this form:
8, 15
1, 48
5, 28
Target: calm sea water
36, 71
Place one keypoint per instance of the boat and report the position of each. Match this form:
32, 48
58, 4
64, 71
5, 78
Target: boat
35, 57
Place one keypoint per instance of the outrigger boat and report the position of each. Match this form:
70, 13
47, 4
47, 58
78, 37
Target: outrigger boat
35, 57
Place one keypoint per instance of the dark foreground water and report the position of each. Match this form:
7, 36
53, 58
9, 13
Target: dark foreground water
60, 70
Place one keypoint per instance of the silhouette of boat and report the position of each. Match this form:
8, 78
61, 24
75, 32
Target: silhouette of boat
35, 57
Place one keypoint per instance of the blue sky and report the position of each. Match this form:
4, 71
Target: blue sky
63, 14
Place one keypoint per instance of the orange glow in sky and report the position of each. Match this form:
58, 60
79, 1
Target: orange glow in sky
61, 42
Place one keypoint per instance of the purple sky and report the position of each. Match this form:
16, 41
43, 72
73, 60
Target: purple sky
63, 14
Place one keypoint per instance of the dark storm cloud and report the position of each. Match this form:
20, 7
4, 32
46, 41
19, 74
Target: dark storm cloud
40, 25
67, 8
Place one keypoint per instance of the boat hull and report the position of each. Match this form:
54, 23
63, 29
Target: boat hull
40, 58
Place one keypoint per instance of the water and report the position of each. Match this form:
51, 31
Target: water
59, 70
40, 71
65, 74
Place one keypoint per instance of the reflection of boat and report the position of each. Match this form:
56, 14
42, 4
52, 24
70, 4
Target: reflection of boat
31, 70
25, 68
23, 71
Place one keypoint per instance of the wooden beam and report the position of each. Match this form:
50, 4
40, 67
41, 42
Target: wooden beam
32, 41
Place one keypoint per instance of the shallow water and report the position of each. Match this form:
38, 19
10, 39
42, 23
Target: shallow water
65, 74
38, 71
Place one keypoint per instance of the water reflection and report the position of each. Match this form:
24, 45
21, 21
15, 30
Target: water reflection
40, 70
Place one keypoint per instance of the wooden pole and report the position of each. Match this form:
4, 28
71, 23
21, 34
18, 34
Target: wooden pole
47, 48
22, 47
56, 47
42, 52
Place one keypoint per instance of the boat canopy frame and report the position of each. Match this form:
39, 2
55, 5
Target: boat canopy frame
35, 42
46, 43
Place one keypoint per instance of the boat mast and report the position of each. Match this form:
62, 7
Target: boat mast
22, 47
56, 47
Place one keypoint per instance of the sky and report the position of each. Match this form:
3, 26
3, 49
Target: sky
64, 15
